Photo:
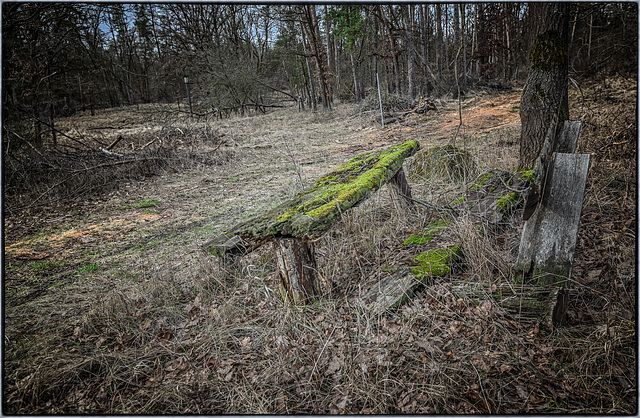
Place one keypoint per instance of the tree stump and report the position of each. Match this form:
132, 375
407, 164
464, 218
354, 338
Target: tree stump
297, 271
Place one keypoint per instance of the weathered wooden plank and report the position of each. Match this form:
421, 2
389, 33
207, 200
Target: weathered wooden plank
391, 291
315, 209
525, 302
567, 139
547, 245
297, 271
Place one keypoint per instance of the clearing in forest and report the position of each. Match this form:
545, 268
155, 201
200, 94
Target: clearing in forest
112, 306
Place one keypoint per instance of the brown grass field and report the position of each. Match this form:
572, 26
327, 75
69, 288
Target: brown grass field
111, 306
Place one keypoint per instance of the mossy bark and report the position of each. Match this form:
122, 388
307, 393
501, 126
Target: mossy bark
545, 93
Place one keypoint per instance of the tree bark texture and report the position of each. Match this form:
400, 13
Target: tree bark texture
297, 271
545, 91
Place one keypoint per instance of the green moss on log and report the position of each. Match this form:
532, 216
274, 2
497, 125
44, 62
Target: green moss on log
506, 202
526, 175
317, 208
481, 181
435, 262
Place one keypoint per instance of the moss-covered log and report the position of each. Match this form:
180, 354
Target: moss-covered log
315, 209
394, 289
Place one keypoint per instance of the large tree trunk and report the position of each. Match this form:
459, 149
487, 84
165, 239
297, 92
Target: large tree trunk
545, 91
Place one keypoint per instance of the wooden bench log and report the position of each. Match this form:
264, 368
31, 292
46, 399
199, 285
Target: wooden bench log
317, 208
293, 224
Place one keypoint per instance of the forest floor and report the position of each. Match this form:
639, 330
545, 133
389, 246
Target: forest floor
112, 306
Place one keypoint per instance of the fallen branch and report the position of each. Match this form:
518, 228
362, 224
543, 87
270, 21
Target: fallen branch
113, 144
110, 153
115, 163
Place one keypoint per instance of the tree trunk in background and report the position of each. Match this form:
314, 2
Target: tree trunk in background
354, 73
317, 49
545, 91
425, 44
331, 61
439, 39
313, 101
407, 15
458, 46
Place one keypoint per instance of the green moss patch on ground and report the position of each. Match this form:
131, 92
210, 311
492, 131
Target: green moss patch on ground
426, 234
435, 262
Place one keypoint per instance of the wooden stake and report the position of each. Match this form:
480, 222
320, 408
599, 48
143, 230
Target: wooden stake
297, 272
400, 192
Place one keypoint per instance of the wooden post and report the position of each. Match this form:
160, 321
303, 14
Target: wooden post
567, 139
297, 271
400, 192
545, 256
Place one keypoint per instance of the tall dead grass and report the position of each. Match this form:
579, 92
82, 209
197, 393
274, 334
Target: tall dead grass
172, 331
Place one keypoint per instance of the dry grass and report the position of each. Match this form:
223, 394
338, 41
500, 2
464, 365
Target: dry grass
160, 327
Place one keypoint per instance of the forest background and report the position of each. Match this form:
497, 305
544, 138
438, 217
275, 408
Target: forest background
63, 58
133, 133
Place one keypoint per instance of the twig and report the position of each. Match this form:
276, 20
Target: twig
113, 144
115, 164
150, 142
110, 153
431, 206
62, 133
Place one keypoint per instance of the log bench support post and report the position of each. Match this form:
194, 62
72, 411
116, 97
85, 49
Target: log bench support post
400, 192
297, 271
